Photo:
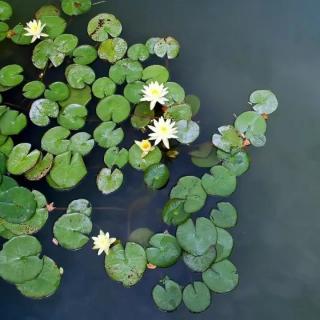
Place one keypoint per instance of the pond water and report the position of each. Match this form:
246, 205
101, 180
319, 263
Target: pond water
229, 49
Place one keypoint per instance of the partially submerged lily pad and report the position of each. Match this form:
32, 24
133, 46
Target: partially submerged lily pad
82, 206
109, 181
75, 7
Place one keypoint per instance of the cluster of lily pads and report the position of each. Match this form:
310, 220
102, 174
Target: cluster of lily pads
130, 90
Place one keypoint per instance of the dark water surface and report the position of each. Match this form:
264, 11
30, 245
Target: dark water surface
229, 48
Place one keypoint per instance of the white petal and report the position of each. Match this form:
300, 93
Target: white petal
166, 143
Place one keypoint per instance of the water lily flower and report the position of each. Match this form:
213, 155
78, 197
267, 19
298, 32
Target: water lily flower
154, 92
103, 242
163, 130
34, 29
145, 146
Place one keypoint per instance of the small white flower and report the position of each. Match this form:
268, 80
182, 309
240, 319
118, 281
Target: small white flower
154, 93
163, 130
145, 146
103, 242
34, 29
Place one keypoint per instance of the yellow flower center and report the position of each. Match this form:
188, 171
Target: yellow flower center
164, 130
145, 145
155, 92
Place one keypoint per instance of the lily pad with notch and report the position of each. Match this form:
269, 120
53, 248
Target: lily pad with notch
133, 91
109, 181
12, 122
73, 116
142, 163
264, 101
57, 91
103, 87
116, 157
156, 176
107, 135
84, 54
238, 163
138, 51
200, 263
125, 70
82, 143
78, 76
155, 73
224, 244
112, 50
173, 212
196, 297
33, 89
55, 140
41, 168
10, 75
5, 11
142, 115
188, 131
225, 216
82, 206
41, 110
75, 7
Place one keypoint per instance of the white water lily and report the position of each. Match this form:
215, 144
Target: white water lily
145, 146
163, 130
154, 93
34, 29
103, 242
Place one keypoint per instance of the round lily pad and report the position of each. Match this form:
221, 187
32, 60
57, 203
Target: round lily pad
142, 115
156, 176
5, 11
75, 7
73, 117
10, 75
125, 70
224, 244
200, 263
33, 89
194, 102
176, 93
109, 181
47, 10
188, 131
66, 43
79, 75
7, 146
41, 168
237, 163
116, 157
103, 87
57, 91
55, 140
72, 230
82, 143
107, 135
221, 277
196, 297
7, 183
84, 54
250, 122
12, 122
133, 91
151, 43
17, 35
264, 101
164, 250
155, 73
173, 212
197, 239
40, 199
138, 51
141, 236
142, 163
82, 206
112, 50
228, 139
179, 112
166, 46
77, 96
126, 265
55, 25
41, 110
4, 28
225, 216
205, 156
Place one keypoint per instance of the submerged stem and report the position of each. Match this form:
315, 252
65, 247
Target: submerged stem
99, 2
94, 208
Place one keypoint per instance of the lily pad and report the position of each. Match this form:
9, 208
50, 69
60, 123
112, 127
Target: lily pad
167, 46
197, 297
107, 135
126, 265
224, 244
200, 263
82, 206
138, 51
116, 157
237, 163
164, 250
225, 216
103, 87
82, 143
133, 91
17, 35
57, 91
10, 75
66, 43
41, 168
125, 70
142, 163
142, 115
7, 146
205, 156
151, 43
4, 28
55, 140
33, 89
77, 96
5, 11
194, 102
84, 54
12, 122
188, 131
156, 176
264, 101
179, 112
41, 110
176, 93
73, 117
7, 183
47, 10
250, 123
197, 239
55, 25
221, 277
112, 50
79, 75
114, 107
167, 297
141, 236
75, 7
221, 182
155, 73
173, 212
109, 181
71, 230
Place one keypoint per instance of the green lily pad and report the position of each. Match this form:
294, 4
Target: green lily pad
188, 131
133, 91
5, 11
264, 101
156, 176
71, 230
221, 182
68, 170
33, 89
103, 87
45, 284
41, 110
200, 263
82, 143
75, 7
77, 96
79, 75
116, 157
225, 216
176, 93
141, 236
125, 70
103, 25
20, 160
142, 115
126, 265
73, 117
197, 239
57, 91
7, 146
109, 181
155, 73
169, 297
196, 297
179, 112
3, 165
17, 35
167, 46
12, 122
40, 199
115, 108
107, 135
47, 10
173, 212
55, 140
205, 156
84, 54
164, 250
237, 163
4, 28
250, 123
55, 25
142, 163
228, 139
19, 259
82, 206
224, 244
112, 50
66, 43
221, 277
138, 51
7, 183
10, 75
151, 43
41, 168
194, 102
190, 190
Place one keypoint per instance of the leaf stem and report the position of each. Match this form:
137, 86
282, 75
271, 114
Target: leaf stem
99, 2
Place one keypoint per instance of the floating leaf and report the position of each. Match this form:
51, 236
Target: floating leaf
194, 102
142, 115
126, 265
103, 87
264, 101
151, 43
107, 135
41, 168
5, 11
250, 123
75, 7
20, 160
179, 112
19, 259
77, 96
156, 176
141, 236
84, 54
45, 284
166, 46
109, 181
169, 297
10, 75
12, 122
54, 140
196, 297
125, 70
55, 25
66, 43
188, 131
78, 75
112, 50
103, 25
200, 263
164, 250
73, 117
225, 216
221, 277
197, 239
47, 10
57, 91
133, 91
114, 107
72, 230
7, 146
237, 163
41, 110
205, 156
82, 143
4, 28
40, 199
7, 183
227, 139
33, 89
190, 190
173, 213
17, 35
224, 244
142, 163
138, 51
82, 206
176, 93
155, 73
221, 182
116, 157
